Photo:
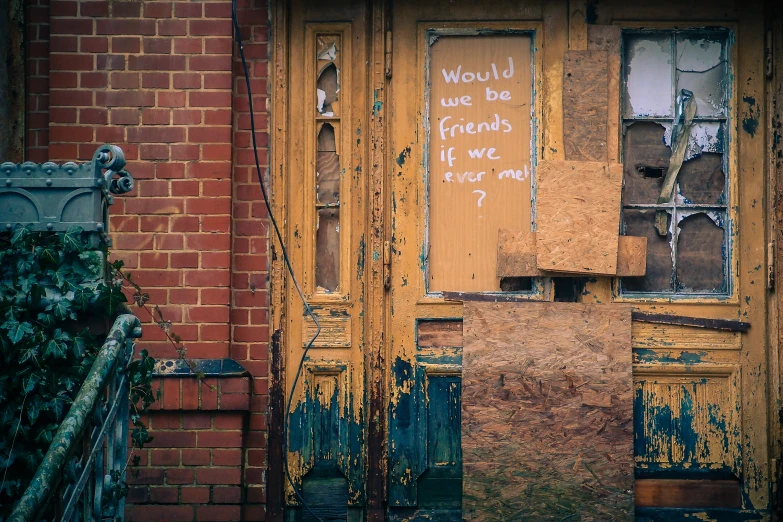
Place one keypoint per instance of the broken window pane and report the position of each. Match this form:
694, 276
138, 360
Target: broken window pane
659, 253
705, 136
327, 167
646, 160
327, 89
327, 249
700, 255
648, 76
701, 180
516, 284
701, 69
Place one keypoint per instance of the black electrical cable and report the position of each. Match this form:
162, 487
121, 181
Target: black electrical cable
308, 310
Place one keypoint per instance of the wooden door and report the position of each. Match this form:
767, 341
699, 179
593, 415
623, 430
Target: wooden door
322, 193
701, 403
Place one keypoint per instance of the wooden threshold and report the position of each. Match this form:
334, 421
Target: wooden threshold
676, 493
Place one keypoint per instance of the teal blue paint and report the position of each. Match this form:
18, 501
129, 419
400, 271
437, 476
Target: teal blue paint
360, 258
377, 105
697, 515
402, 442
376, 255
750, 123
645, 355
406, 152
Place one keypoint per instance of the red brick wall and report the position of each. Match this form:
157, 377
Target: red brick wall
162, 80
37, 84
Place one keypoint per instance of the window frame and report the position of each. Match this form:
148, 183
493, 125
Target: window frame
730, 155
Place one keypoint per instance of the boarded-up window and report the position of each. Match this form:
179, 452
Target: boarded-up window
675, 110
480, 170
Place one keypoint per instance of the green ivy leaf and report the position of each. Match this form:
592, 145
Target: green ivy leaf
20, 236
17, 331
72, 239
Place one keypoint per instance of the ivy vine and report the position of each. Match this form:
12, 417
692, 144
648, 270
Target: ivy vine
55, 301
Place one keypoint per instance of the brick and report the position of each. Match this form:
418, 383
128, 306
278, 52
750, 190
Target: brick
63, 80
209, 170
179, 476
173, 439
186, 117
90, 44
210, 63
71, 62
125, 99
156, 134
169, 242
218, 476
184, 260
187, 10
159, 278
234, 401
184, 152
188, 45
156, 116
125, 117
198, 421
123, 44
214, 188
155, 80
93, 80
126, 10
171, 99
170, 170
146, 476
212, 296
217, 117
153, 260
208, 205
187, 81
196, 457
216, 152
156, 63
164, 495
124, 80
206, 242
151, 188
208, 314
231, 457
221, 81
172, 27
222, 495
164, 420
218, 10
154, 152
229, 420
63, 115
190, 387
71, 26
209, 134
184, 223
183, 296
210, 27
63, 8
164, 457
157, 10
125, 27
111, 135
194, 495
110, 62
209, 99
213, 332
218, 45
215, 260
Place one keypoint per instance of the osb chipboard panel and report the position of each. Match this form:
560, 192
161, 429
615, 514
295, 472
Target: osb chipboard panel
585, 105
480, 158
517, 255
578, 216
547, 412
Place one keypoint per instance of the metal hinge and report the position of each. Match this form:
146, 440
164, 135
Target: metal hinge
388, 56
386, 265
771, 265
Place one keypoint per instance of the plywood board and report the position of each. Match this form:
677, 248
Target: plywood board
578, 216
585, 105
517, 255
547, 412
607, 38
479, 118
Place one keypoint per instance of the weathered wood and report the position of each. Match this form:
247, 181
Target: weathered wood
578, 209
517, 255
335, 332
657, 335
547, 412
439, 334
479, 165
607, 38
585, 105
687, 493
487, 298
698, 322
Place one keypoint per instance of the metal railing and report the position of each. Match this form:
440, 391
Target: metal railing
89, 452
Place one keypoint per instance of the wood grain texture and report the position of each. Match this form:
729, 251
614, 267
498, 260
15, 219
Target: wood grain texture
607, 38
547, 429
439, 334
688, 493
335, 332
585, 105
578, 216
517, 255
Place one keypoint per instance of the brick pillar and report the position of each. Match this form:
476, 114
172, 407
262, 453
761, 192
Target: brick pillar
250, 240
37, 81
